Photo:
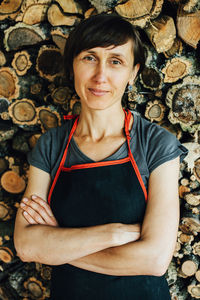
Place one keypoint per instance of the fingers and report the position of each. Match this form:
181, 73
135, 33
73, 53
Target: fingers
38, 210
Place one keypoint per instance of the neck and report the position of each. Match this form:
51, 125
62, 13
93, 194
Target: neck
98, 124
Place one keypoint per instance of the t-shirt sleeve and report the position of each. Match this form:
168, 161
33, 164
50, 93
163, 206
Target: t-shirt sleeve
40, 155
162, 146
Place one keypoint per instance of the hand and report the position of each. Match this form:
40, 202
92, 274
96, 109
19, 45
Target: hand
37, 211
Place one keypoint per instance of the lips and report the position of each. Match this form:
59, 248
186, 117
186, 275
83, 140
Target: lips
98, 92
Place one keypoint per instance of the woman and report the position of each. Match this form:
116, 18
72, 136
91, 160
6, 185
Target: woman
110, 177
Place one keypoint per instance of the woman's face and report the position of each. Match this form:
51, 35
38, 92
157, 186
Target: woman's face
101, 75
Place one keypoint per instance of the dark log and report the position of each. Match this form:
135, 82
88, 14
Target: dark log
20, 144
21, 62
35, 288
5, 212
151, 78
155, 111
177, 48
188, 25
22, 35
48, 118
3, 165
190, 226
9, 87
33, 12
49, 62
36, 88
162, 33
139, 12
23, 112
59, 39
12, 182
61, 95
9, 8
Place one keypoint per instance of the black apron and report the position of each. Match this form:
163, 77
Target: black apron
94, 194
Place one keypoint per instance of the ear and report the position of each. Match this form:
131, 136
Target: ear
134, 74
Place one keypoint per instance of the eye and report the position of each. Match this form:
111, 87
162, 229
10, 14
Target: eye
116, 62
89, 58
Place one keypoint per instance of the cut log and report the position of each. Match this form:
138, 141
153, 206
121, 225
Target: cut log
70, 6
59, 39
21, 62
75, 106
192, 199
33, 140
49, 62
162, 33
4, 212
139, 12
56, 17
61, 95
9, 87
194, 290
155, 111
2, 59
196, 248
48, 118
6, 254
12, 182
189, 266
33, 12
9, 9
188, 26
197, 169
151, 78
21, 35
185, 238
184, 101
177, 48
35, 287
176, 68
190, 226
23, 112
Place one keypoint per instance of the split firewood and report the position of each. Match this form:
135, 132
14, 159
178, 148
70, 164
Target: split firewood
194, 290
177, 68
70, 6
151, 78
49, 62
33, 12
21, 35
139, 12
6, 254
177, 48
57, 18
9, 87
188, 26
2, 59
23, 112
35, 288
12, 182
48, 118
196, 248
61, 95
21, 62
90, 12
33, 140
197, 275
184, 102
193, 199
162, 33
9, 9
155, 111
197, 169
59, 39
190, 225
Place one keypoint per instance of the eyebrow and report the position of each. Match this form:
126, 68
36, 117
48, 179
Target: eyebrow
112, 53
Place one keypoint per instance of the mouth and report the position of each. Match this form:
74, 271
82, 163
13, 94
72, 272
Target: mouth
98, 92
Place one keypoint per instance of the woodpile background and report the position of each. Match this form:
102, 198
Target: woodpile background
34, 96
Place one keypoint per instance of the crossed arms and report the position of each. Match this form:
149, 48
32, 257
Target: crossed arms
113, 249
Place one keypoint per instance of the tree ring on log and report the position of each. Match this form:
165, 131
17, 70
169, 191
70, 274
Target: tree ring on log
49, 62
12, 182
155, 111
48, 118
9, 87
35, 287
194, 291
197, 169
21, 62
61, 95
23, 112
151, 78
21, 35
140, 12
176, 68
9, 9
184, 102
33, 11
6, 254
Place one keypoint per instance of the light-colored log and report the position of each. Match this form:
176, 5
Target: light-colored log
190, 226
189, 267
12, 182
196, 248
194, 290
193, 155
23, 112
21, 35
56, 17
188, 26
9, 9
176, 68
33, 11
185, 238
6, 254
162, 33
9, 87
70, 6
140, 12
192, 199
21, 62
191, 5
155, 111
49, 62
90, 12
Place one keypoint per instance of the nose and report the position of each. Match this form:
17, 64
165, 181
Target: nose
100, 75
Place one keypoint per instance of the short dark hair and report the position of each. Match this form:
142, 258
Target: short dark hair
102, 30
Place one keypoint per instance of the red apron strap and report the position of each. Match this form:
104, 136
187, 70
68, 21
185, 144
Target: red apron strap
69, 117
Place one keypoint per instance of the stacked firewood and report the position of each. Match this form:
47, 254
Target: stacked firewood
34, 97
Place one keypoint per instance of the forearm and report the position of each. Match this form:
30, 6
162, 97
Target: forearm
135, 258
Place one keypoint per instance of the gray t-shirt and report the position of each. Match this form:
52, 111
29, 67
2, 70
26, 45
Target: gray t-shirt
151, 146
